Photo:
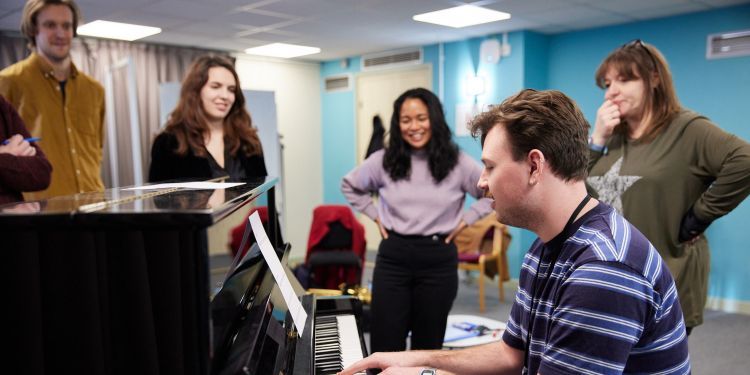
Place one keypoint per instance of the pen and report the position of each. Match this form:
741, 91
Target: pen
32, 139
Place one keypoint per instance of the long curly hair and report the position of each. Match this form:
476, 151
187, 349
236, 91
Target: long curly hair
441, 150
636, 60
188, 121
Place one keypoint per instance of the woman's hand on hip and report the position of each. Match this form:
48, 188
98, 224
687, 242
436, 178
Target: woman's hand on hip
383, 231
461, 225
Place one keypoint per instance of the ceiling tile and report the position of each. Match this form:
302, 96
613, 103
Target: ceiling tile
247, 18
183, 39
650, 13
266, 38
352, 27
147, 19
573, 14
209, 29
184, 9
310, 8
526, 6
635, 7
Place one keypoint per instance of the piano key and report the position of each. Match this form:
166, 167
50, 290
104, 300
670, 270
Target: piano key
351, 348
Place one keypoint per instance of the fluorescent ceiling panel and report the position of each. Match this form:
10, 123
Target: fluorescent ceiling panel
282, 50
117, 30
462, 16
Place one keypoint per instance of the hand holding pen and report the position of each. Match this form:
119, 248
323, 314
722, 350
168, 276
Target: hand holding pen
17, 145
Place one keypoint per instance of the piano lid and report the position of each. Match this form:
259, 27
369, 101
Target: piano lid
118, 206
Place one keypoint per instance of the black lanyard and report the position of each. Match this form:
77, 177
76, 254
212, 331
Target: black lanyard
550, 268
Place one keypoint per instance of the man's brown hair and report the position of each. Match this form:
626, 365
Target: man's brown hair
29, 26
547, 121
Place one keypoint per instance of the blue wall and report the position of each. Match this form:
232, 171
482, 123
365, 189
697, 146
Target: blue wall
339, 131
720, 89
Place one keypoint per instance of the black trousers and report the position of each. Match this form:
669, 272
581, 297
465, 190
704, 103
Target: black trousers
414, 284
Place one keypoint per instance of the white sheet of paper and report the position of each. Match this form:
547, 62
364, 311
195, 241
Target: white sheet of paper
197, 185
299, 315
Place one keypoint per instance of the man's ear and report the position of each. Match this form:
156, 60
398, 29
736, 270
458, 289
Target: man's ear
535, 160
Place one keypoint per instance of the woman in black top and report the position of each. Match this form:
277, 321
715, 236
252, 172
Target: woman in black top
210, 133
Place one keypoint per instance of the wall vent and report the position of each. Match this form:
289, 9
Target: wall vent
342, 82
728, 45
391, 59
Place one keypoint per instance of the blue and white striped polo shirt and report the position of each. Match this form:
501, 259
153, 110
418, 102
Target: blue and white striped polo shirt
609, 305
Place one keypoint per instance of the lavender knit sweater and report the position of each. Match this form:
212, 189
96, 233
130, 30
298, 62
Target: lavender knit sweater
416, 205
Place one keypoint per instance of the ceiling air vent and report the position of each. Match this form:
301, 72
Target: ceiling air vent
339, 83
392, 59
728, 45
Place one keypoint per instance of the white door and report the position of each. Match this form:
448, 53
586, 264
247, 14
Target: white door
375, 95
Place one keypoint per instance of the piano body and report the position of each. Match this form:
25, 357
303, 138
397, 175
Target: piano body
254, 334
117, 282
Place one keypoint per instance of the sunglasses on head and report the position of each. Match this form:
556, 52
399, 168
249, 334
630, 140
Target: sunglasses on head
635, 43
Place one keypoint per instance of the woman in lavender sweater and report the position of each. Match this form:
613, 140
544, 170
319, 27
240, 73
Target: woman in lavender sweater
422, 180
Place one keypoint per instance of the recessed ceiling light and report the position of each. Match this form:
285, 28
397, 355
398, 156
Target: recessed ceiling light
462, 16
282, 50
117, 30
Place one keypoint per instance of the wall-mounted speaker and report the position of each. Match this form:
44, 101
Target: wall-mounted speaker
490, 51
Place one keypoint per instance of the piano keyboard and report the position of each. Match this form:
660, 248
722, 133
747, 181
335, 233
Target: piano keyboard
337, 343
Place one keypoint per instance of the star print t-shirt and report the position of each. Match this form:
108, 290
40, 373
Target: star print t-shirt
690, 163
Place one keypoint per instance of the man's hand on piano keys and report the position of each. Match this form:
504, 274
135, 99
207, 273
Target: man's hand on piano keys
393, 363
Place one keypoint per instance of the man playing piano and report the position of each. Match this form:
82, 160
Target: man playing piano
600, 300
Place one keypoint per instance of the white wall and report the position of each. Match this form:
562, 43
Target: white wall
297, 89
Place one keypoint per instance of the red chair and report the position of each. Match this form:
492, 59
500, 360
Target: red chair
335, 248
237, 232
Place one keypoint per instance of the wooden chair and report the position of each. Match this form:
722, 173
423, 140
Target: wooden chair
483, 247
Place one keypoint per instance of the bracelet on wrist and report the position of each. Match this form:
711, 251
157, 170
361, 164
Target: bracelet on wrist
595, 147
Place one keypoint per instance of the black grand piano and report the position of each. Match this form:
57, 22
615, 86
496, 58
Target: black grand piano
117, 282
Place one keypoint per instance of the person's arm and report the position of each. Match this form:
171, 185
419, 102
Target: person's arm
23, 166
607, 119
494, 358
725, 159
482, 206
471, 172
358, 185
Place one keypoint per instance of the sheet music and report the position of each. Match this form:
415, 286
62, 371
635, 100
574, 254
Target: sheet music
299, 315
198, 185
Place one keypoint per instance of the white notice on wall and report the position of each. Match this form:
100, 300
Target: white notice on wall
465, 112
299, 315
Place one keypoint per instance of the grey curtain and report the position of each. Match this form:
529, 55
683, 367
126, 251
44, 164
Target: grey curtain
154, 64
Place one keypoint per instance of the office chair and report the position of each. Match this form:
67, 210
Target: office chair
336, 247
